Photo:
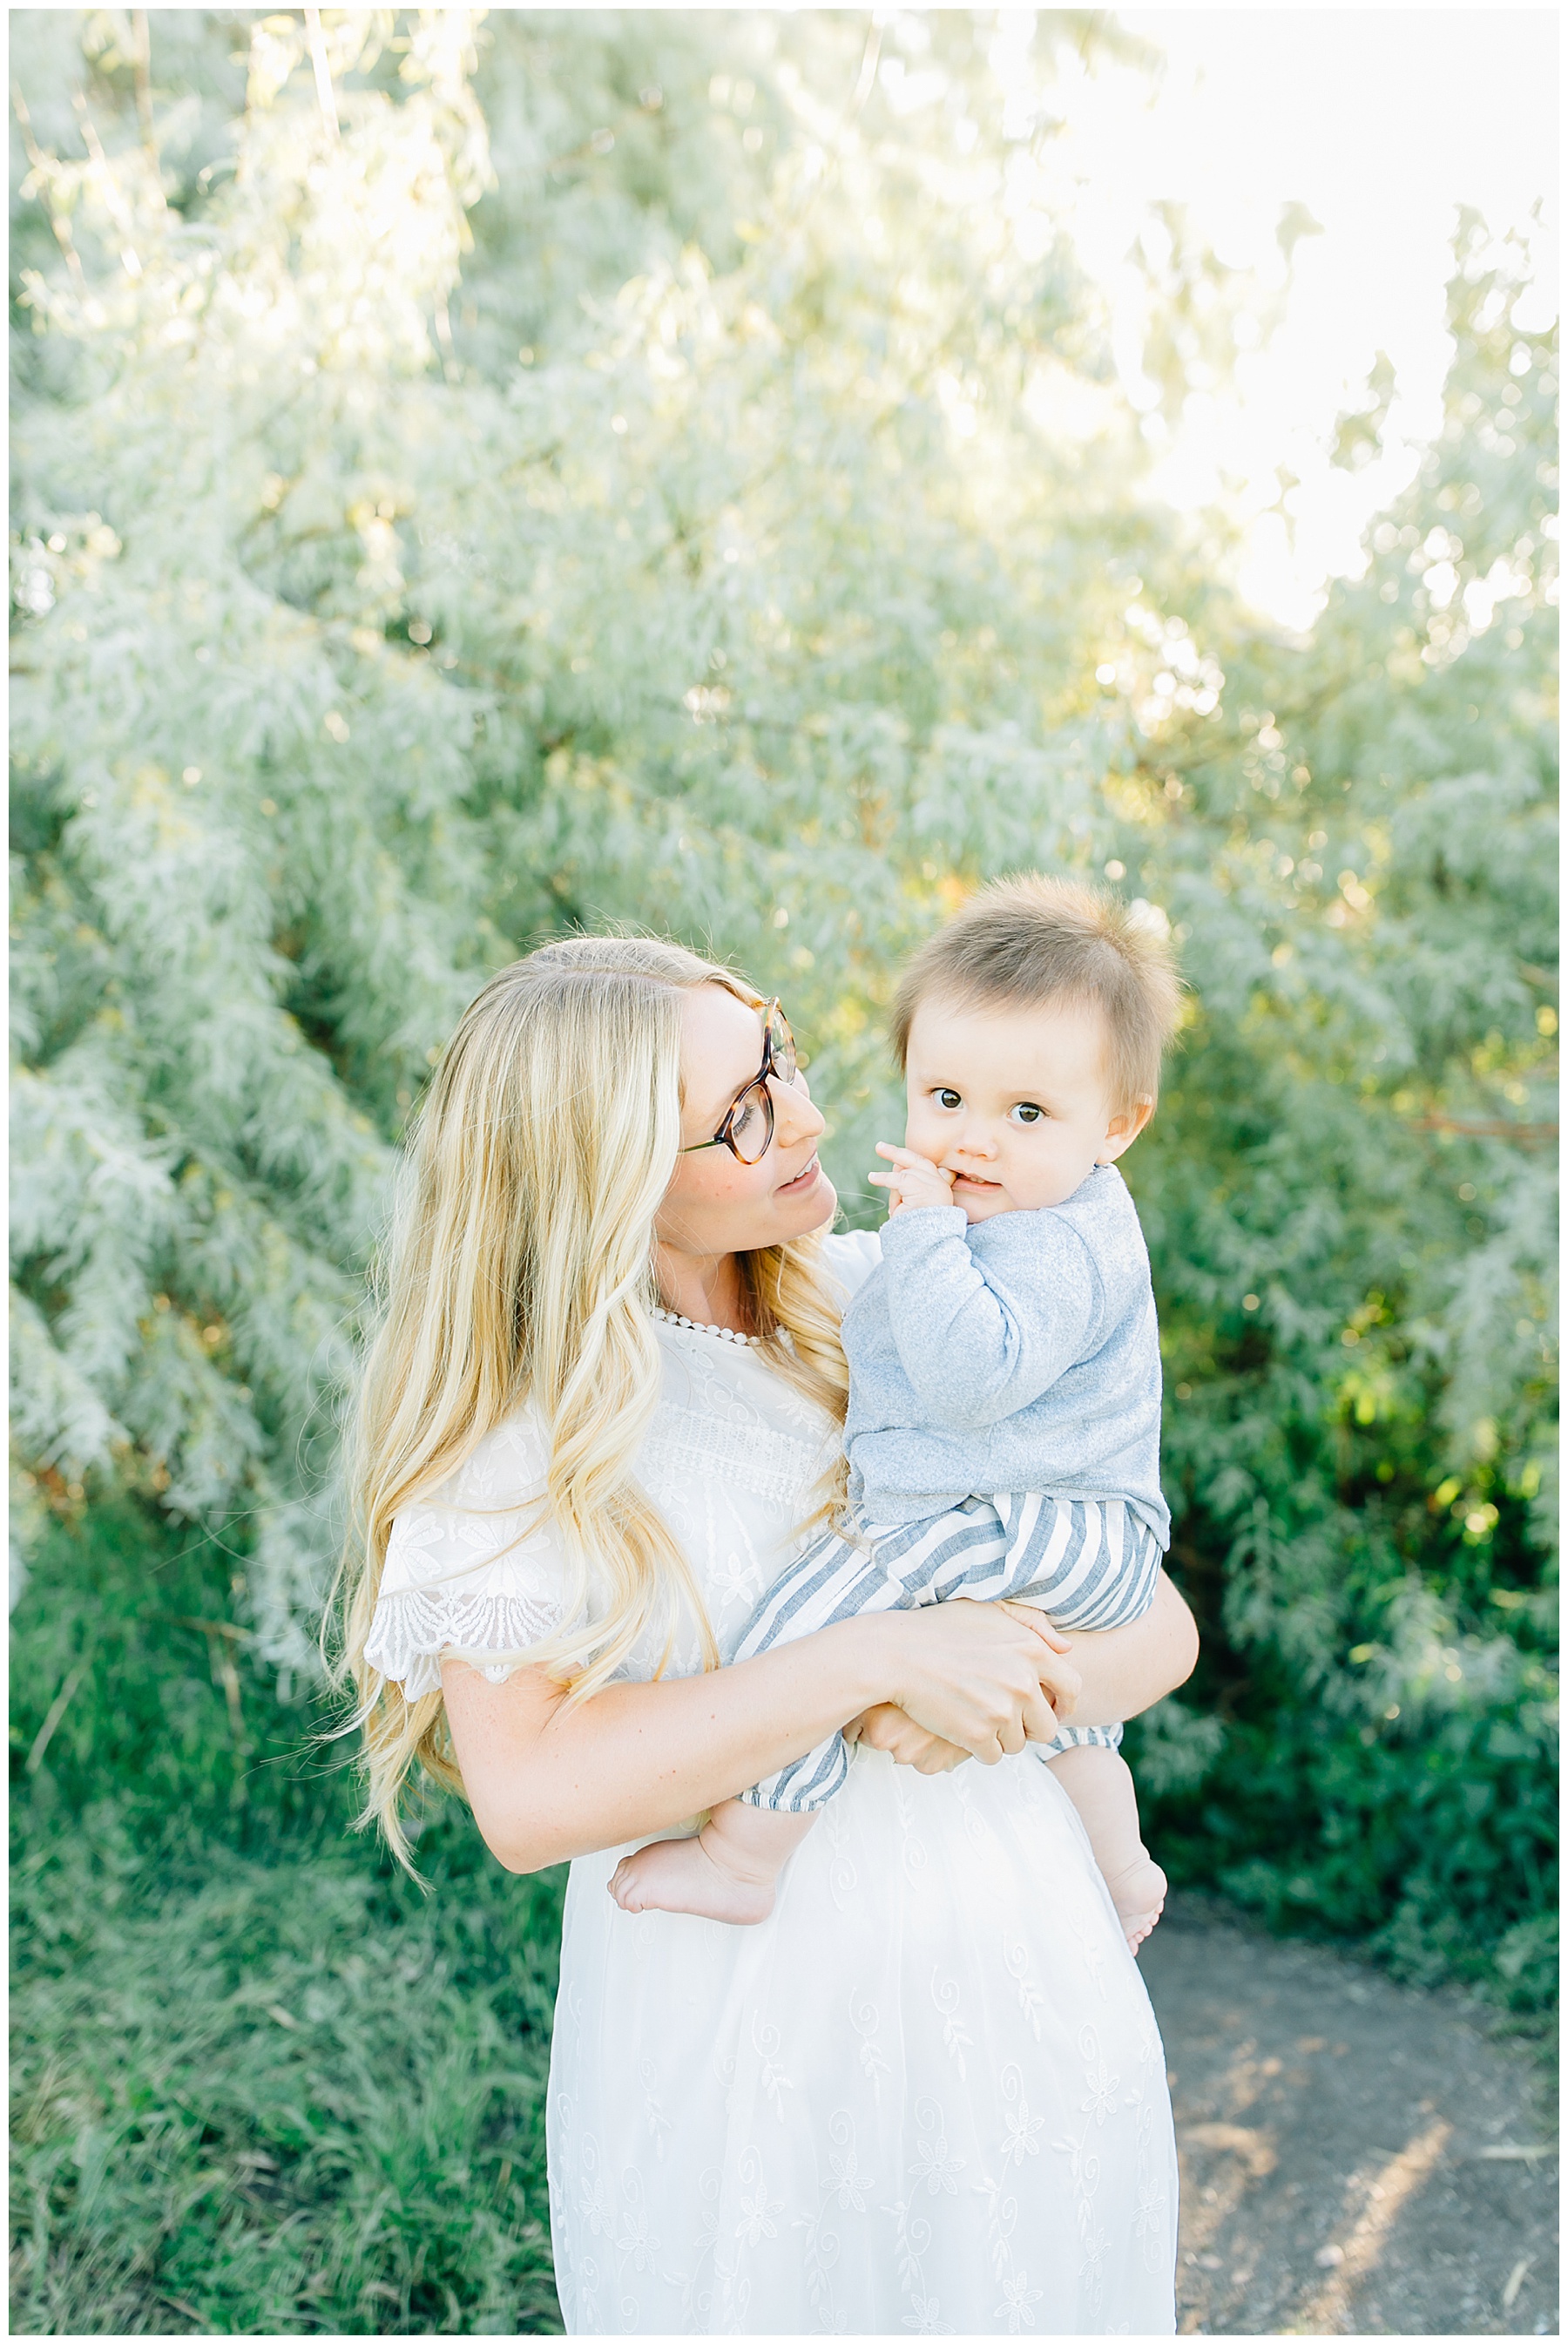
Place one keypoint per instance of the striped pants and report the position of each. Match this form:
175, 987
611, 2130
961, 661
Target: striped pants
1089, 1562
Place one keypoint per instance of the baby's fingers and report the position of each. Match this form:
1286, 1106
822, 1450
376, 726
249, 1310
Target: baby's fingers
1027, 1615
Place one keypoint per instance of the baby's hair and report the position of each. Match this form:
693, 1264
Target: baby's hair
1032, 940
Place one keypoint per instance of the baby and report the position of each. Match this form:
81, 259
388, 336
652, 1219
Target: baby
1003, 1428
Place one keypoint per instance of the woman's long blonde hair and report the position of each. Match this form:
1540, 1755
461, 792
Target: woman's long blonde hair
519, 1265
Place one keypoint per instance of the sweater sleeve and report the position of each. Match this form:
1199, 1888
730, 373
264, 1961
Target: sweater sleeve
980, 1337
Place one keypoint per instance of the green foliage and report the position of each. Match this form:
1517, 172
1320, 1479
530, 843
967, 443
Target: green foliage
260, 2083
1352, 1211
669, 470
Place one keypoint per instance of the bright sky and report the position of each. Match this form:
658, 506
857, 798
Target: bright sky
1380, 121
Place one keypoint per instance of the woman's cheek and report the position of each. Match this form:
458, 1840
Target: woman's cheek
824, 1205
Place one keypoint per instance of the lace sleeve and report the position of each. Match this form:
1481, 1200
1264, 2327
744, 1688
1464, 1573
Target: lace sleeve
472, 1569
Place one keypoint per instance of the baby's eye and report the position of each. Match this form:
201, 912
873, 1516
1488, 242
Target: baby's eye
1026, 1112
948, 1100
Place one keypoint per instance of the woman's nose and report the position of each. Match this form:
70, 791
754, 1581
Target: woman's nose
794, 1116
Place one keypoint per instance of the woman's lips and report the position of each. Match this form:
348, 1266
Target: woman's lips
801, 1181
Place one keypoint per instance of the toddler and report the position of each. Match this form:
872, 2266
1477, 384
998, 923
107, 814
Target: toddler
1003, 1426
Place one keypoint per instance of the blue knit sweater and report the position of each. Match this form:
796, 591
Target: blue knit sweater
1020, 1354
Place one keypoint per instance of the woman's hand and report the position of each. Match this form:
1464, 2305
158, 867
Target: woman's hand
883, 1727
976, 1675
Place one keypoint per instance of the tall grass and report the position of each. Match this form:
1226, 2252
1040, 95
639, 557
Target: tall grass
260, 2081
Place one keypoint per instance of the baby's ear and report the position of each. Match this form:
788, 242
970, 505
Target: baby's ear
1122, 1130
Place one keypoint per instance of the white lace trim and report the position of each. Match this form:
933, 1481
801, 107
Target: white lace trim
416, 1625
683, 1442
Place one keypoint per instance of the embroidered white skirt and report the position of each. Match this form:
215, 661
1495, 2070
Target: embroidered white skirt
929, 2094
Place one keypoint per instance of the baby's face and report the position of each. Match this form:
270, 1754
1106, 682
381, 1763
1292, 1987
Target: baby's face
1014, 1101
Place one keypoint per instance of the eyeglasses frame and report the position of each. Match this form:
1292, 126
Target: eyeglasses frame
770, 1066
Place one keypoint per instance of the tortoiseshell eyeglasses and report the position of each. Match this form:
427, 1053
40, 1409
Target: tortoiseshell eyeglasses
747, 1129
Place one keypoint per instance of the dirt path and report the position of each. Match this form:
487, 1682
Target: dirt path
1353, 2152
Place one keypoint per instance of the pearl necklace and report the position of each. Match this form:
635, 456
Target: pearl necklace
695, 1327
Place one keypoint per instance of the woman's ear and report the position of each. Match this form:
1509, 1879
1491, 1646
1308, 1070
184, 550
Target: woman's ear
1122, 1130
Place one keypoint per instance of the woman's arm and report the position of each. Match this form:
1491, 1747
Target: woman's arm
1127, 1670
548, 1779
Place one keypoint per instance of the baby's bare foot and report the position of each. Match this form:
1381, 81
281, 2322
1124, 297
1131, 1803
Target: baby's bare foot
678, 1875
1138, 1894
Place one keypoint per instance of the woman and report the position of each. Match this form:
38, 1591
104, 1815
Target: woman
929, 2092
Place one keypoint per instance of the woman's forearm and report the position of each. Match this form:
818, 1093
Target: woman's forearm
548, 1779
1127, 1670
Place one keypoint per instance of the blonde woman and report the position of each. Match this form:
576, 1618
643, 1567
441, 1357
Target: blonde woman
928, 2094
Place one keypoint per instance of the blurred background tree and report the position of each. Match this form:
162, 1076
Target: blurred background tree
478, 476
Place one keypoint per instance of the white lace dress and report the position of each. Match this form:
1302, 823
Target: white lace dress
929, 2094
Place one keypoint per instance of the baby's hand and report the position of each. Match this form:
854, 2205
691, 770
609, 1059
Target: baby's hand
884, 1727
914, 1179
